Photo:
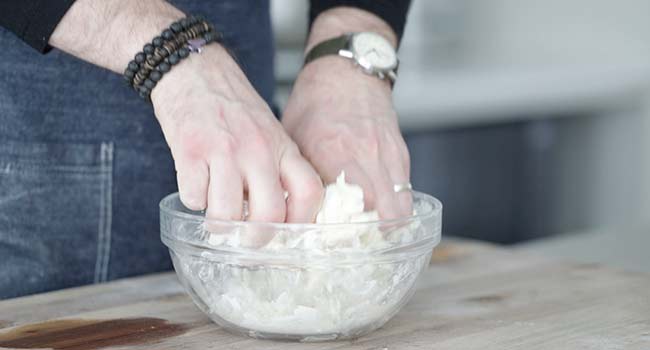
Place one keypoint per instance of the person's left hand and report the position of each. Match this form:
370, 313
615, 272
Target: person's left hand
343, 119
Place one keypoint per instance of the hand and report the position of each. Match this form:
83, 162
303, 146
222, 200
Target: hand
343, 119
225, 141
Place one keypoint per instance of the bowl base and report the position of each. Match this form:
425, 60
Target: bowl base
293, 337
302, 338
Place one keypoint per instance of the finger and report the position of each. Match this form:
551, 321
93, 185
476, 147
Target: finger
304, 186
385, 199
192, 179
397, 165
226, 192
265, 193
404, 198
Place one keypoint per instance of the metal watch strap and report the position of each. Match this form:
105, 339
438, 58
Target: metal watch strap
328, 47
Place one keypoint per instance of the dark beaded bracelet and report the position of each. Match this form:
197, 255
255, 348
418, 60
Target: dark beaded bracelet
149, 84
133, 65
167, 34
140, 57
160, 49
156, 75
166, 50
173, 58
128, 76
164, 67
176, 27
148, 49
158, 41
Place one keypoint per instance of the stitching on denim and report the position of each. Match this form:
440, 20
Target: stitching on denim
105, 213
20, 195
109, 209
26, 168
36, 149
100, 228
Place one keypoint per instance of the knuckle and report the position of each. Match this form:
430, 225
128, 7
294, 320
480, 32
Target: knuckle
254, 135
310, 191
370, 146
258, 139
226, 144
205, 147
289, 148
193, 143
196, 142
370, 143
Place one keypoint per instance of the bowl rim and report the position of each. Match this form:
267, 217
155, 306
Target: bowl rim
436, 210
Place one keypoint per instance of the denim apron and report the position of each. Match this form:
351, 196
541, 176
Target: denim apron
83, 162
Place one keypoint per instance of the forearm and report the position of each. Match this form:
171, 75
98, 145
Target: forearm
108, 33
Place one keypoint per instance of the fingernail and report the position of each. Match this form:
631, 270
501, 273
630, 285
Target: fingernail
193, 203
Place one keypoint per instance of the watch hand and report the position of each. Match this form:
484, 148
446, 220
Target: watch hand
373, 50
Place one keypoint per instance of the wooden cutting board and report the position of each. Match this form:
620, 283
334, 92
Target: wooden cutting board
474, 296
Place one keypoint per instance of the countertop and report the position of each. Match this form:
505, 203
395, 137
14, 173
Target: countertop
473, 296
625, 247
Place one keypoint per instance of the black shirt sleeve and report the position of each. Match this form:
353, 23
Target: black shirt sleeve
392, 11
33, 21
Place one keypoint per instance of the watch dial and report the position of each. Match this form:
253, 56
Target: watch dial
374, 51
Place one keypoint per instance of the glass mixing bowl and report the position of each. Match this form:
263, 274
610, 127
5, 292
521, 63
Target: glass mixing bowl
306, 282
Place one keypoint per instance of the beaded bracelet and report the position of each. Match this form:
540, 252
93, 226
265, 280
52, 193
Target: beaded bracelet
153, 53
166, 50
163, 49
193, 45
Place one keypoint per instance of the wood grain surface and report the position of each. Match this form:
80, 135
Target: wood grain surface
474, 296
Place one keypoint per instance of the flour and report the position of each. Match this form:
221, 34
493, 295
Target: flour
308, 297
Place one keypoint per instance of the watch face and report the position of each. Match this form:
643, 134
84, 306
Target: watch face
373, 52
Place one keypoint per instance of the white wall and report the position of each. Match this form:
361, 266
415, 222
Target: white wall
604, 167
557, 32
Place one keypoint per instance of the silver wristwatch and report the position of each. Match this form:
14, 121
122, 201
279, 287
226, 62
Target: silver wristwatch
370, 51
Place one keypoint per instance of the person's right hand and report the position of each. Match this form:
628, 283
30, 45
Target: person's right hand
226, 142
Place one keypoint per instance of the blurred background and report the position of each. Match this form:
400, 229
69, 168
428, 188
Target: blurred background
529, 120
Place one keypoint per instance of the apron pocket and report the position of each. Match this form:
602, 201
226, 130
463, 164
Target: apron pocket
55, 215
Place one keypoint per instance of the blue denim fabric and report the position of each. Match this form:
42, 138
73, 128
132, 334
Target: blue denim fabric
83, 163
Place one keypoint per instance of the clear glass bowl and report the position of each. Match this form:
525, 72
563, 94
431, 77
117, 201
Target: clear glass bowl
305, 282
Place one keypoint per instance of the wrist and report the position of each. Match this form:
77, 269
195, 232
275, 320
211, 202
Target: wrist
192, 74
341, 20
340, 73
325, 62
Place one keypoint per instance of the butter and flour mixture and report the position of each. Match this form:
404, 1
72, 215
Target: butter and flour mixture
309, 296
